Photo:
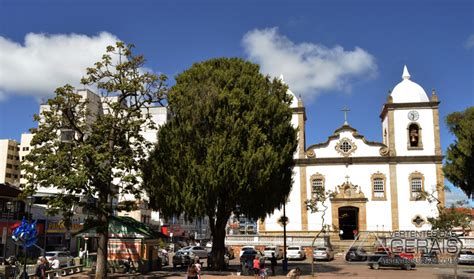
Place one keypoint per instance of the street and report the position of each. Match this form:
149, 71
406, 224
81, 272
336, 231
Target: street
334, 269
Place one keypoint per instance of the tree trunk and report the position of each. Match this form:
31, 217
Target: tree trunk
102, 231
218, 242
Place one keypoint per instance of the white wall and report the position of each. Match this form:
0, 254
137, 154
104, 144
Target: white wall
401, 133
408, 209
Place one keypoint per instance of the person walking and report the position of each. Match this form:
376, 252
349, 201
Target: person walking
192, 271
256, 266
273, 263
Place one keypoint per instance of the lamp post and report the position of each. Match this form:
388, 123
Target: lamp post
9, 209
29, 202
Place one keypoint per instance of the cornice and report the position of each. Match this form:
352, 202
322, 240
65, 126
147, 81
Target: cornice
388, 106
336, 134
368, 160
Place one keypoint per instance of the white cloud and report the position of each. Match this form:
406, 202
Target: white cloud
454, 195
308, 68
45, 62
469, 42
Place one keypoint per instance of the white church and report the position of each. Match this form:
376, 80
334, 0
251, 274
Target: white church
375, 186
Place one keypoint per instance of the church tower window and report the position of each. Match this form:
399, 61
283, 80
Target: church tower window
414, 136
317, 184
378, 187
416, 186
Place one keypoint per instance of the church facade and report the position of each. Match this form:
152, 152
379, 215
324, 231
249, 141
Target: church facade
371, 186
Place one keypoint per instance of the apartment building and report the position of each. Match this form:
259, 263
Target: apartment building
9, 162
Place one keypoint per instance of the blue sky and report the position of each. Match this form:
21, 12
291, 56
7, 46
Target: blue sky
333, 53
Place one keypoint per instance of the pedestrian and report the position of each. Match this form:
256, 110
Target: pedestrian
41, 268
198, 266
256, 266
55, 263
273, 262
192, 271
341, 232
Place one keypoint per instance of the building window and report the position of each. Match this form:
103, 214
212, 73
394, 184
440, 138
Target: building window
26, 148
317, 184
345, 147
8, 175
416, 180
9, 166
414, 136
418, 221
378, 187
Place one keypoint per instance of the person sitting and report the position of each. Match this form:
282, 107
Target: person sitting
295, 273
55, 263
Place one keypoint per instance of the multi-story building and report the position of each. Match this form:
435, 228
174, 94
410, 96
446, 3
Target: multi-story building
9, 162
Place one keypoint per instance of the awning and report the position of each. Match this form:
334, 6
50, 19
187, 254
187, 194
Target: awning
124, 227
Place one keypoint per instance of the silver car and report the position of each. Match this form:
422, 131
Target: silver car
64, 257
323, 253
466, 257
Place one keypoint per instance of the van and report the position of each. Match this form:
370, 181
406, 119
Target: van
267, 252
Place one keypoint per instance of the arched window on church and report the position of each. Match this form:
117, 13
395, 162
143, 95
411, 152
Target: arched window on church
414, 136
417, 181
378, 187
317, 185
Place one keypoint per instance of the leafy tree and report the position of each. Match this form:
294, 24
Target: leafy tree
459, 165
449, 218
228, 147
92, 148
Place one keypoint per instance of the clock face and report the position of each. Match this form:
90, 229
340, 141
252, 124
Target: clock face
413, 115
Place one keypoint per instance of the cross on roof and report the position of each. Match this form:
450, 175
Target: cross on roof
347, 178
345, 110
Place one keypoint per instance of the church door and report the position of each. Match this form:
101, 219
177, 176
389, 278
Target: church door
348, 221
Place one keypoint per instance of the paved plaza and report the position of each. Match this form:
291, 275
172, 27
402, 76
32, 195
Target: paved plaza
334, 269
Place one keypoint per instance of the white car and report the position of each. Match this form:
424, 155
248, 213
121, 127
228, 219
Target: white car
323, 253
194, 251
269, 250
64, 257
295, 253
246, 248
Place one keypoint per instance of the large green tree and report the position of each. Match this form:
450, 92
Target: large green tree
459, 165
228, 146
92, 147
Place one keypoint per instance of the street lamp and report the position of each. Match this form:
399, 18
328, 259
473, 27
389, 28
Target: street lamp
9, 209
29, 202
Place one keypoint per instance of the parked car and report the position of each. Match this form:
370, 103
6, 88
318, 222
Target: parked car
295, 253
245, 248
388, 259
356, 254
184, 255
64, 257
323, 253
249, 255
466, 257
194, 251
181, 257
269, 250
